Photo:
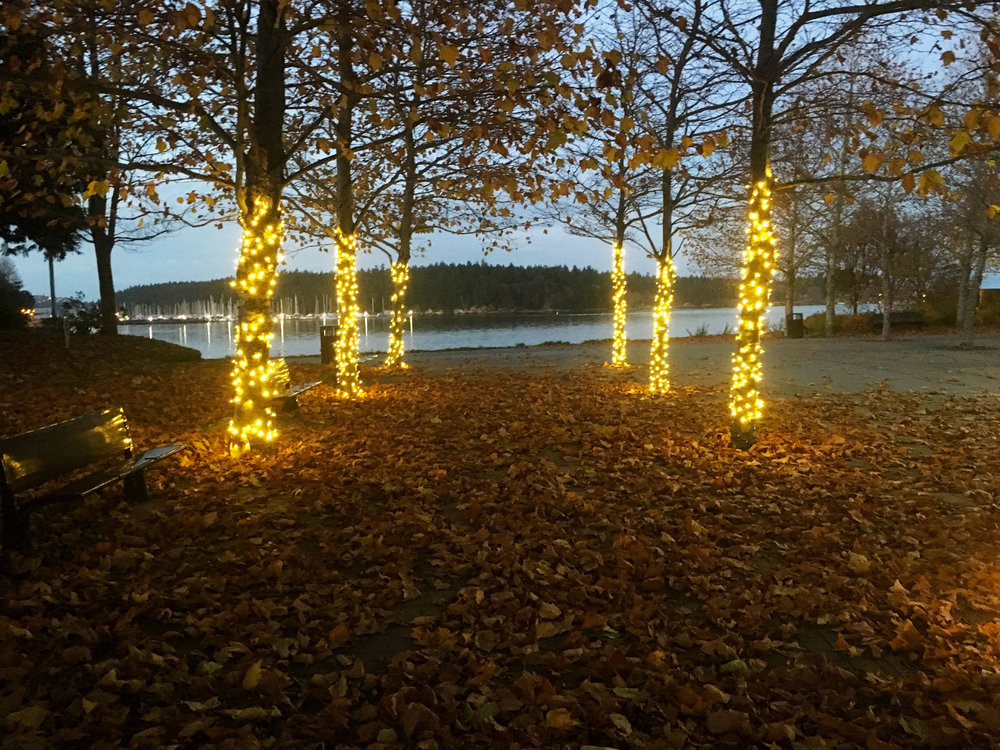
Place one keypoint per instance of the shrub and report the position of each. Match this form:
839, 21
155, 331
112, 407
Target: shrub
81, 316
988, 316
937, 314
816, 324
13, 299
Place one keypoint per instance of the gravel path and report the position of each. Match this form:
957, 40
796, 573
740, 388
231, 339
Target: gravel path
929, 363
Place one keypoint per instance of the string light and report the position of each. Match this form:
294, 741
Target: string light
400, 273
618, 354
256, 277
659, 380
745, 404
347, 355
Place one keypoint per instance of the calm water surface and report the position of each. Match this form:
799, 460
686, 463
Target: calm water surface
301, 336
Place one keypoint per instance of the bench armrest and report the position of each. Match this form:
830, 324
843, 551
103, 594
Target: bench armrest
297, 389
153, 455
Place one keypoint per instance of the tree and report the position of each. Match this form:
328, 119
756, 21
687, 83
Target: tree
969, 221
450, 119
45, 130
610, 169
103, 198
689, 101
13, 299
775, 47
234, 68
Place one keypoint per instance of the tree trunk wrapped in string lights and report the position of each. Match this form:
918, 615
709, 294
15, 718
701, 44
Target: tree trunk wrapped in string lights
256, 275
619, 358
745, 403
659, 372
348, 375
400, 273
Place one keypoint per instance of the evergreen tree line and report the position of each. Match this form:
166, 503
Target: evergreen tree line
449, 287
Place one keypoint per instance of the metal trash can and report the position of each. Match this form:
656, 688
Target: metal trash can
327, 344
795, 328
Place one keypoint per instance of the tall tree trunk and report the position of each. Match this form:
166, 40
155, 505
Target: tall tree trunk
972, 295
886, 291
659, 364
52, 287
348, 373
103, 239
830, 311
964, 283
745, 403
400, 270
103, 245
836, 233
790, 295
619, 343
252, 425
788, 257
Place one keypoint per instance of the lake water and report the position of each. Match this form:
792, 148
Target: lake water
301, 336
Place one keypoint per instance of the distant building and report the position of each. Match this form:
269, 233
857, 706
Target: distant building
989, 290
43, 306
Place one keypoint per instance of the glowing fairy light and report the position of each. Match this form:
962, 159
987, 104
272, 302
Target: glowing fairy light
347, 345
400, 273
745, 403
620, 340
659, 380
256, 277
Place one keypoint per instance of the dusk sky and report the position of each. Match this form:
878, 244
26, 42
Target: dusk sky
209, 253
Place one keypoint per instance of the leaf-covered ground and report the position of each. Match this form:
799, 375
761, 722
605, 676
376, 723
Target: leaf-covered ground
501, 559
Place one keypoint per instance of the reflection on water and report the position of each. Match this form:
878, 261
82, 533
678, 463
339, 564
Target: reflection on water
296, 336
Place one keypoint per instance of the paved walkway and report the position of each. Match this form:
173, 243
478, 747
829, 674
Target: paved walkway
929, 363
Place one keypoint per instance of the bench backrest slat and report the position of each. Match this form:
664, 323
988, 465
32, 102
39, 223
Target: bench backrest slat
34, 458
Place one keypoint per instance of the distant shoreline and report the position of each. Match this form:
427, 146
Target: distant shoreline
181, 320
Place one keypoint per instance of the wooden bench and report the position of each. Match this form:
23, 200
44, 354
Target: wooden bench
286, 402
92, 451
900, 319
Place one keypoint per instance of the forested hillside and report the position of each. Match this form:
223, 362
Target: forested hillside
447, 287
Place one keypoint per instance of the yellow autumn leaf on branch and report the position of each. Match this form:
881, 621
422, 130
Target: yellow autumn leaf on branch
933, 115
707, 146
97, 187
448, 53
929, 182
872, 162
909, 182
666, 158
146, 17
959, 141
992, 123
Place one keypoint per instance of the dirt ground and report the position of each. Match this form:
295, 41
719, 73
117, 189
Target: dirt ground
932, 364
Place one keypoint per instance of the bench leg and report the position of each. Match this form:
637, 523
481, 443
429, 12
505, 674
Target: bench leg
135, 487
289, 406
15, 527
